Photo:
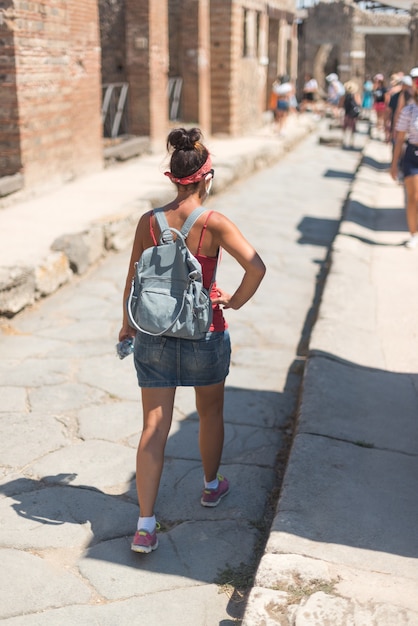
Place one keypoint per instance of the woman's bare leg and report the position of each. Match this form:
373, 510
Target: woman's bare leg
210, 405
411, 186
157, 405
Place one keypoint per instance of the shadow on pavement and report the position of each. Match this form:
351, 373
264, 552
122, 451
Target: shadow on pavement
375, 243
381, 219
340, 173
53, 501
351, 479
208, 545
317, 231
368, 161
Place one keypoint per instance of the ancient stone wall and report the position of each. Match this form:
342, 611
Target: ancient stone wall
57, 54
249, 46
113, 40
343, 38
50, 110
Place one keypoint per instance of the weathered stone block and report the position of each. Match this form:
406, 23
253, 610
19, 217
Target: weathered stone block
53, 272
17, 289
82, 249
10, 184
128, 149
119, 230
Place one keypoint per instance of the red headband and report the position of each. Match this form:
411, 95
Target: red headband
193, 178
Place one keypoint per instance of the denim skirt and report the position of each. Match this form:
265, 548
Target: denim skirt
410, 161
173, 362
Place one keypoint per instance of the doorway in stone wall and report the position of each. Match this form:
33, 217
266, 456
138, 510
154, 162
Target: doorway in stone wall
332, 61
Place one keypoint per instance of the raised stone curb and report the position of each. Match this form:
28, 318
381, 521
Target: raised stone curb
10, 184
17, 289
339, 552
127, 149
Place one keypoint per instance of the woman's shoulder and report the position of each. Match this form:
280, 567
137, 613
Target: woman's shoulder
409, 108
144, 225
218, 221
407, 113
216, 218
145, 217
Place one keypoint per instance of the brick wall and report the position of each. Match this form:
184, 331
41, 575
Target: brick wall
194, 62
51, 73
85, 85
221, 64
57, 56
175, 36
244, 45
112, 40
147, 67
10, 157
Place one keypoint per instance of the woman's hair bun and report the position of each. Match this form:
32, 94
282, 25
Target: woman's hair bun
182, 139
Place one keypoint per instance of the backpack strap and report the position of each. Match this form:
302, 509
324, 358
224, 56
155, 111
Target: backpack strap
163, 225
194, 215
166, 228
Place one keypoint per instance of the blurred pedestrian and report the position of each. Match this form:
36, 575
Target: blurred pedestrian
404, 98
391, 99
310, 94
352, 108
407, 130
283, 89
335, 93
165, 362
367, 103
379, 103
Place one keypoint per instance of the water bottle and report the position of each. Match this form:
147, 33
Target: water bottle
125, 347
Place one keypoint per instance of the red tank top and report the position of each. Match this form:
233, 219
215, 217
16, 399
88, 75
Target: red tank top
208, 264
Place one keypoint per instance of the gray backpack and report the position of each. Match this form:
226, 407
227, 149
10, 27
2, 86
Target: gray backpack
167, 295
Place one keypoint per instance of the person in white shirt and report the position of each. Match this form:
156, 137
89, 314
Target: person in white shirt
283, 89
310, 94
335, 93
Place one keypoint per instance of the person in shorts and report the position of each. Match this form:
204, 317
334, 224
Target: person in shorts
380, 103
407, 131
310, 94
164, 363
283, 89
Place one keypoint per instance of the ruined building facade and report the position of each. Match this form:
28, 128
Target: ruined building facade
65, 63
355, 43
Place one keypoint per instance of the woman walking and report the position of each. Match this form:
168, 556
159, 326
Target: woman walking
352, 106
407, 130
163, 363
379, 103
367, 102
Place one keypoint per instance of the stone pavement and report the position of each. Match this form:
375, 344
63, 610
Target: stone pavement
343, 546
70, 421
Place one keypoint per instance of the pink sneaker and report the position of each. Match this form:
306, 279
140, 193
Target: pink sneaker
144, 541
212, 497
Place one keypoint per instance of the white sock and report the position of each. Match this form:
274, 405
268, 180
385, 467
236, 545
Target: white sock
213, 484
146, 523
